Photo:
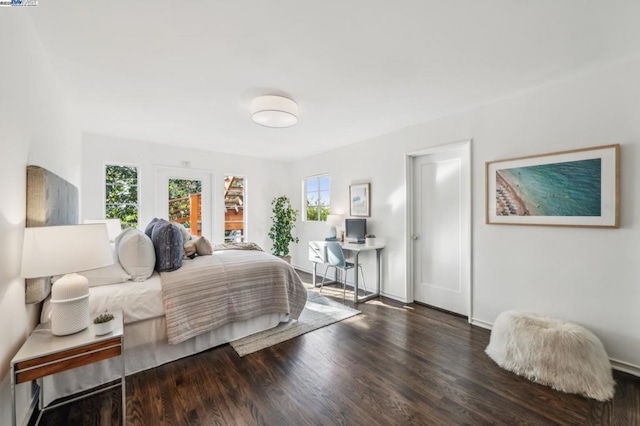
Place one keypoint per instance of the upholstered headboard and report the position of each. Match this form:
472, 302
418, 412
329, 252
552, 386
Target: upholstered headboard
51, 200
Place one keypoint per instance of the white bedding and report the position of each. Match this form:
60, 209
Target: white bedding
138, 300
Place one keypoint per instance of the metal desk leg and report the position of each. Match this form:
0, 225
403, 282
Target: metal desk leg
313, 279
378, 275
355, 278
378, 269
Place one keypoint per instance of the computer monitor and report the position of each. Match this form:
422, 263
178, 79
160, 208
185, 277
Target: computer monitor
356, 228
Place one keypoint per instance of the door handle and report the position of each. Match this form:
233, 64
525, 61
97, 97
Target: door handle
414, 237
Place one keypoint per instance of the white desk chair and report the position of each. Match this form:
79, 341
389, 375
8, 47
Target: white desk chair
335, 258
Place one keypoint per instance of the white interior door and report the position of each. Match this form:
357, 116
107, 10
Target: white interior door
165, 174
441, 225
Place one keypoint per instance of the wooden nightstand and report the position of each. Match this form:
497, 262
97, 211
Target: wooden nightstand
44, 354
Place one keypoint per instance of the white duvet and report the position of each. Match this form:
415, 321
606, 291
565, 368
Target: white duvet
138, 300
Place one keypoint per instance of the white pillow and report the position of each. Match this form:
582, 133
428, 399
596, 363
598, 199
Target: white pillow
136, 254
112, 274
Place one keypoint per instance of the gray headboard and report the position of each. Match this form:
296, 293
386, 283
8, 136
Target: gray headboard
51, 200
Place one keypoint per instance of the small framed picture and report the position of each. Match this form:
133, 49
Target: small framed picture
359, 199
569, 188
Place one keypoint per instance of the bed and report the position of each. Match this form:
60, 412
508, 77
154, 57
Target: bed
147, 311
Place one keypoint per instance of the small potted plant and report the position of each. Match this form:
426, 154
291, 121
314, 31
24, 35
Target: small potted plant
102, 324
370, 239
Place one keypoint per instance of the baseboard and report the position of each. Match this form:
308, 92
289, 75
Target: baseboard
625, 367
303, 269
481, 324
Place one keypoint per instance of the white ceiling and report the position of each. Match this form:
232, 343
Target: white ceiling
184, 72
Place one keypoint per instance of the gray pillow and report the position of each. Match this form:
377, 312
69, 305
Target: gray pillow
168, 244
150, 226
136, 254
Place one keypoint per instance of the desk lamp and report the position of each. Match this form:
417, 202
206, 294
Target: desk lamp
334, 220
57, 250
114, 227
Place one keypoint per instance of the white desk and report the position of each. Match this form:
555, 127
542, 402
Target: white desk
317, 254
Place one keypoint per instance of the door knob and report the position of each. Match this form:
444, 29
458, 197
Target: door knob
414, 237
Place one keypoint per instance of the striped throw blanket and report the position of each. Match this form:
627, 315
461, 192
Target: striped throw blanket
233, 285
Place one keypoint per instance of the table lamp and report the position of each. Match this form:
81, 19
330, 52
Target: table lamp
114, 227
334, 220
57, 250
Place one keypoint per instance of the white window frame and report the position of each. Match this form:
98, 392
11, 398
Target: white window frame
104, 186
304, 195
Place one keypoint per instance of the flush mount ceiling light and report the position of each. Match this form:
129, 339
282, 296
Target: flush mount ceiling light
274, 111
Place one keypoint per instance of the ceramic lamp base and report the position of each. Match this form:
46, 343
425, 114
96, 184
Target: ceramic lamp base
70, 315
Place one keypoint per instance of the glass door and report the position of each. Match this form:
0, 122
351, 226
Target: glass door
184, 196
234, 209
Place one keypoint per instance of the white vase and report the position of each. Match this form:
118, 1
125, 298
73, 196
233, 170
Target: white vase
370, 241
102, 328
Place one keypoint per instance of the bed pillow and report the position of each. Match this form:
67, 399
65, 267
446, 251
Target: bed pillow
168, 245
112, 274
136, 254
189, 250
186, 235
203, 246
149, 229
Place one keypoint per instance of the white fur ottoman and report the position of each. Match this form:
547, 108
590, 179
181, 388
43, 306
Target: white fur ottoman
552, 352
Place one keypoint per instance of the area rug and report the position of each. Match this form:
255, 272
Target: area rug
318, 312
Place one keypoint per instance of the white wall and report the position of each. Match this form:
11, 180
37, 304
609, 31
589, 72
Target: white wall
35, 128
264, 180
590, 276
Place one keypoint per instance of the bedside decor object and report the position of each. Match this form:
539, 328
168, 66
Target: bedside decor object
102, 324
274, 111
284, 220
359, 200
552, 352
56, 250
569, 188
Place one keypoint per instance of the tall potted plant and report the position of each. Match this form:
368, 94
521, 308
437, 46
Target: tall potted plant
284, 220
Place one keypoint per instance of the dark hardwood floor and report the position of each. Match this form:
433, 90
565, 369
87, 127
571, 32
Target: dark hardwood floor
391, 365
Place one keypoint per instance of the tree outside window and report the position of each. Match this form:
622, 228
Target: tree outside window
317, 197
121, 200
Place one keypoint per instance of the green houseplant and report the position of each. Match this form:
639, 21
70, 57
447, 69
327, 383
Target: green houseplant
284, 220
102, 324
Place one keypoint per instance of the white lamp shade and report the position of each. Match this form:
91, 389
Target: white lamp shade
335, 219
114, 227
57, 250
274, 111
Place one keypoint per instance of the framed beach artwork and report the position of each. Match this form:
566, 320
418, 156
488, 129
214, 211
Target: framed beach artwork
569, 188
359, 199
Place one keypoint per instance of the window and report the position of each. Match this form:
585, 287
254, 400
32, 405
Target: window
234, 209
121, 194
317, 197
